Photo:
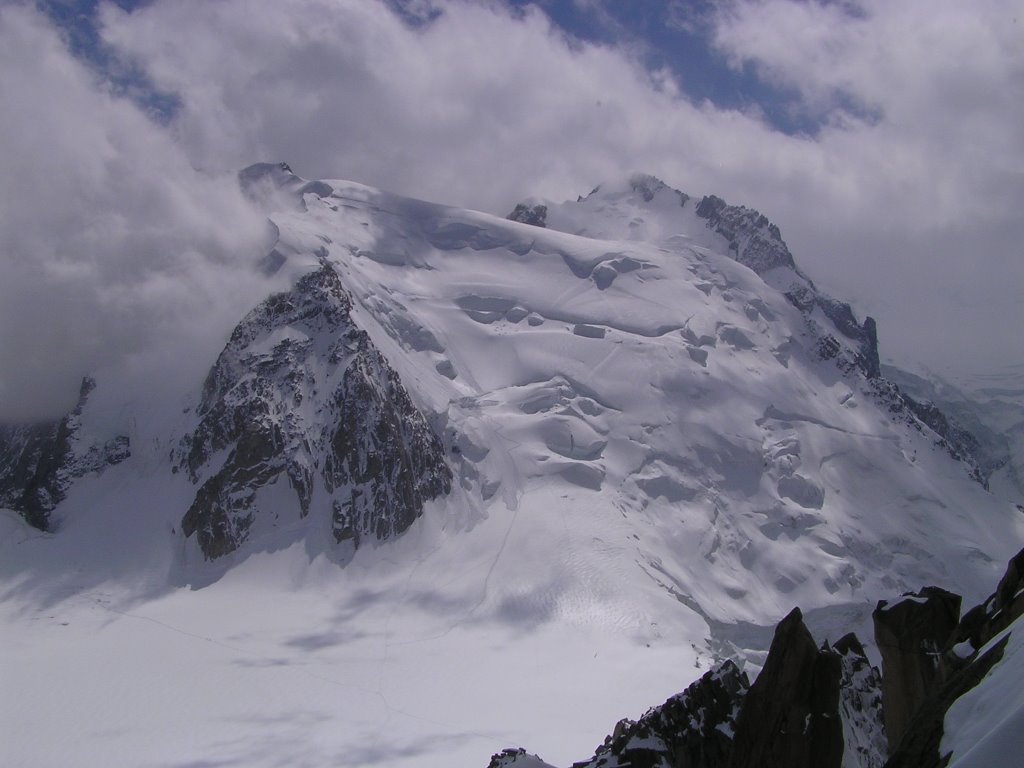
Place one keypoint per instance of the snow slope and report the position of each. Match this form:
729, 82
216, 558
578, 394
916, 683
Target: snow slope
985, 726
652, 464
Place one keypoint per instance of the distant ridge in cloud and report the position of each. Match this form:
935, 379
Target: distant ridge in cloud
115, 254
905, 202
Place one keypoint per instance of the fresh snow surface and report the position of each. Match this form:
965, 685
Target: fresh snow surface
985, 727
651, 468
391, 661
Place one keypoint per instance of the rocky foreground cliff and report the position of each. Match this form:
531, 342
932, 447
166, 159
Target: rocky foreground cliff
827, 706
300, 396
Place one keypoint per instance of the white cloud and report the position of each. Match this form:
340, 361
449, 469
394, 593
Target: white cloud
115, 254
911, 215
484, 106
921, 200
945, 78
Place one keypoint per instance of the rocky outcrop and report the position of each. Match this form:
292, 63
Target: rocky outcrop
300, 399
961, 444
648, 186
809, 707
822, 707
860, 706
535, 215
693, 729
753, 240
1004, 607
920, 744
955, 441
757, 243
966, 657
910, 633
40, 462
790, 718
805, 297
516, 758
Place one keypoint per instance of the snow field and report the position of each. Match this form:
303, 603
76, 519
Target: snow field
651, 464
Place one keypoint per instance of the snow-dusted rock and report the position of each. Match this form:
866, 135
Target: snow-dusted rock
790, 718
40, 462
534, 215
300, 397
973, 699
860, 706
516, 758
693, 729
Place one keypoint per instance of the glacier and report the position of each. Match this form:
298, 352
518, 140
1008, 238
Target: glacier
661, 437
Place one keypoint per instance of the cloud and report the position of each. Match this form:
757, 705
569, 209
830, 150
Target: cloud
347, 89
923, 174
905, 202
925, 80
116, 255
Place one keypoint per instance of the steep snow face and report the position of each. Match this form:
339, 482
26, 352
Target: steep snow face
644, 208
726, 443
655, 454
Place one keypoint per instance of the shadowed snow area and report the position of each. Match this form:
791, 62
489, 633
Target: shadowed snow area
985, 726
653, 462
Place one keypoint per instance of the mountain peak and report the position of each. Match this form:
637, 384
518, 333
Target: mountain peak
615, 443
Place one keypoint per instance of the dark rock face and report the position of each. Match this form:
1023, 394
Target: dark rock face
40, 462
960, 443
648, 186
753, 240
790, 718
1006, 604
691, 730
301, 396
536, 215
806, 298
910, 633
806, 704
983, 622
871, 365
960, 668
757, 243
823, 707
920, 744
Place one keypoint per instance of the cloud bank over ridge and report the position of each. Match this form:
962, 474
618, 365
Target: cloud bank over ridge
116, 255
905, 201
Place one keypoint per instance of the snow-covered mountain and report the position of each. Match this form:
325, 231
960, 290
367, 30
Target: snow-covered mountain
464, 477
